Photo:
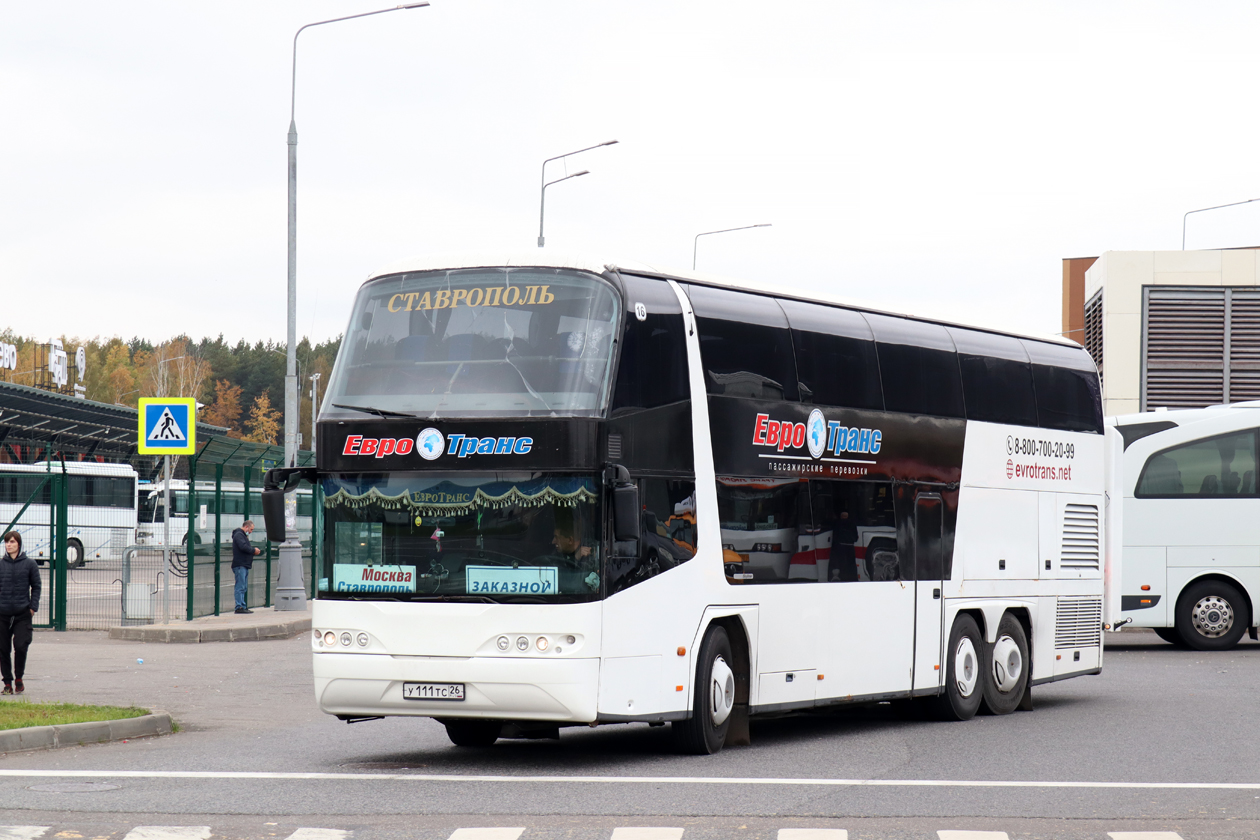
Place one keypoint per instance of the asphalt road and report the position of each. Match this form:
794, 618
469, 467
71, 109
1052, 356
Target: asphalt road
1162, 741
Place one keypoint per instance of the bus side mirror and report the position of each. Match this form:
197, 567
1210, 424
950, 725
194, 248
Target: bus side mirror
273, 514
626, 512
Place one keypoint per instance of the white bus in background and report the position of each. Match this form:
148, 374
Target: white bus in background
151, 529
572, 493
100, 513
1191, 522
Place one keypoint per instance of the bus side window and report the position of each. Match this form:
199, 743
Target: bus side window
669, 533
996, 377
745, 345
918, 367
1218, 466
855, 531
1069, 396
835, 356
652, 370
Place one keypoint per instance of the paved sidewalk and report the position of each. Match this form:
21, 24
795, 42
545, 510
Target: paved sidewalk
265, 623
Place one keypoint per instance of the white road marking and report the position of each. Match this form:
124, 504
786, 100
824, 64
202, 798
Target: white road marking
1143, 835
319, 834
487, 833
972, 835
169, 832
647, 834
21, 832
813, 834
254, 775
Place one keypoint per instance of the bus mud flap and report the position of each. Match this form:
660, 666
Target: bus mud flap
737, 734
1025, 703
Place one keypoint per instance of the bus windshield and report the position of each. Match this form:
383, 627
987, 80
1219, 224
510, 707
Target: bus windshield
478, 342
498, 537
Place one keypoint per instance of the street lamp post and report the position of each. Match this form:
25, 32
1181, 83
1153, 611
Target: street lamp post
1201, 209
291, 596
695, 242
542, 201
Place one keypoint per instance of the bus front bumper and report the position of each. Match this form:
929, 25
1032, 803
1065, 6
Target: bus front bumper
366, 685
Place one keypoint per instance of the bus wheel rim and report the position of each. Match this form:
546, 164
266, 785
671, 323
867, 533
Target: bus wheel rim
1008, 664
966, 667
1212, 616
721, 691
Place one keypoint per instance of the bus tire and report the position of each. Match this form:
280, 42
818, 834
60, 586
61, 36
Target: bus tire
704, 733
963, 692
1212, 615
473, 733
1170, 635
74, 554
1006, 664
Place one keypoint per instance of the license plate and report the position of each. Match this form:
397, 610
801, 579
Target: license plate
433, 691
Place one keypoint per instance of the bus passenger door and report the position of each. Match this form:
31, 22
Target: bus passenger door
929, 569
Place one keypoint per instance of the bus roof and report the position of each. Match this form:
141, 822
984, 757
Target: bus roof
74, 467
579, 262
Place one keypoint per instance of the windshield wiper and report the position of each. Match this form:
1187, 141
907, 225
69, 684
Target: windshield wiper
380, 412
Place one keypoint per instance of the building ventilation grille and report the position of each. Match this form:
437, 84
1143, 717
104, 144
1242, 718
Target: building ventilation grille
1077, 623
1244, 345
1094, 329
1080, 537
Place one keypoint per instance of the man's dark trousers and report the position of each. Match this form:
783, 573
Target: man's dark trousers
16, 632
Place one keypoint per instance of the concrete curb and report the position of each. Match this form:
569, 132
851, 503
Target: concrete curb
78, 734
194, 635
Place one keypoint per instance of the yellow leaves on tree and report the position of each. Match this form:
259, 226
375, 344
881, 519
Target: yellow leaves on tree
263, 425
226, 409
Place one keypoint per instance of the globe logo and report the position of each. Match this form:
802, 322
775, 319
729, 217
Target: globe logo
816, 433
430, 444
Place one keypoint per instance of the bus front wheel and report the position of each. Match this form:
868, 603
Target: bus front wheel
1006, 667
74, 554
1212, 615
704, 733
963, 691
473, 733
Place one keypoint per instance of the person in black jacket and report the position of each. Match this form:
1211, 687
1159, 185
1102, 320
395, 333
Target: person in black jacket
19, 599
243, 553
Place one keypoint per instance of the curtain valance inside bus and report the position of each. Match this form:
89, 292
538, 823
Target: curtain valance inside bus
448, 497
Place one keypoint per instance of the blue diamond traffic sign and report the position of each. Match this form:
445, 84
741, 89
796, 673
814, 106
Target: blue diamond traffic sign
168, 426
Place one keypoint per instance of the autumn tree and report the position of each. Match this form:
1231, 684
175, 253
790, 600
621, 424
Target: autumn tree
263, 425
173, 369
226, 409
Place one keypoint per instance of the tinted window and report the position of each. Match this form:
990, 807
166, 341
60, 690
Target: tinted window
762, 520
918, 367
996, 377
653, 366
745, 345
1220, 466
17, 489
669, 533
1066, 381
855, 532
835, 356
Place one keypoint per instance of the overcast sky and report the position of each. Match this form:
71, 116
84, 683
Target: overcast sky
935, 157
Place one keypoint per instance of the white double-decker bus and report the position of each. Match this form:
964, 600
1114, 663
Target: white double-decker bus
100, 508
563, 492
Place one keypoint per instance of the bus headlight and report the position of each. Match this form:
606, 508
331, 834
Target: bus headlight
503, 643
362, 640
542, 643
522, 643
345, 639
330, 638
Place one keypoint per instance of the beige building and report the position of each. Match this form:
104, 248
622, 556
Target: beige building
1176, 329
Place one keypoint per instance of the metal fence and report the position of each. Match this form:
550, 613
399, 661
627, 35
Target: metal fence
80, 526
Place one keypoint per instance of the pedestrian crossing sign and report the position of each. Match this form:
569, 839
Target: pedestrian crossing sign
168, 426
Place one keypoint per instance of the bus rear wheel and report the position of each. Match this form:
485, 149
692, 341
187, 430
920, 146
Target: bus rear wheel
74, 554
704, 733
963, 693
1006, 675
473, 733
1212, 615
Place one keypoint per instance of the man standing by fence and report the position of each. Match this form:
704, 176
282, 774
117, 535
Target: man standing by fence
19, 600
243, 554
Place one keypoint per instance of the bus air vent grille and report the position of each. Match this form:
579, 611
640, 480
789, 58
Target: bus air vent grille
1080, 537
1077, 623
614, 447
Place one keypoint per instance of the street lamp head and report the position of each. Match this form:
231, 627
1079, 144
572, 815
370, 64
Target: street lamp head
413, 5
580, 174
610, 143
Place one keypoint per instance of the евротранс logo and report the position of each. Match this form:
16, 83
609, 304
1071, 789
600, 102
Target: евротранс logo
432, 444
